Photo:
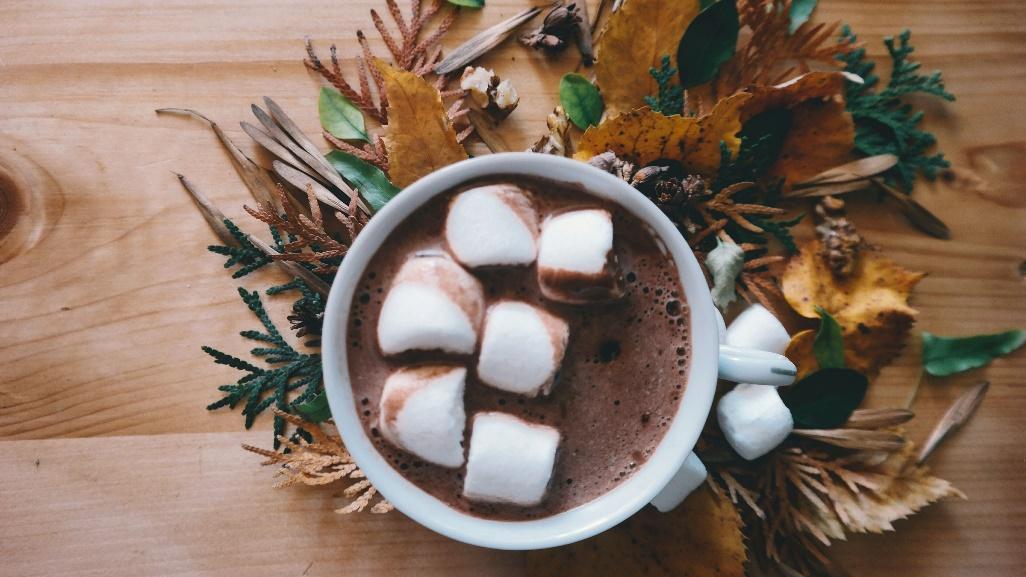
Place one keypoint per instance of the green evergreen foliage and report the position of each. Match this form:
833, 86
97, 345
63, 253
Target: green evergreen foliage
670, 98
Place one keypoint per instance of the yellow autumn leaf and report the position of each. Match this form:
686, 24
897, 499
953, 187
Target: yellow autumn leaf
871, 306
700, 538
636, 38
644, 135
822, 132
419, 137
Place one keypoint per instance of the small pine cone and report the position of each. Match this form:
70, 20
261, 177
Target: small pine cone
841, 242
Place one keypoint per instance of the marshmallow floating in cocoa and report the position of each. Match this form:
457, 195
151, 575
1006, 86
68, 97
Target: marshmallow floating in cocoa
576, 261
522, 347
422, 412
510, 460
491, 226
757, 328
753, 419
433, 304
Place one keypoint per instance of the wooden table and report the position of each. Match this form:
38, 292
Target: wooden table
109, 464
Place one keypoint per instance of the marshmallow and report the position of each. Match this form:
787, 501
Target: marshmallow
576, 261
433, 304
510, 460
492, 225
422, 412
754, 420
689, 477
757, 328
521, 348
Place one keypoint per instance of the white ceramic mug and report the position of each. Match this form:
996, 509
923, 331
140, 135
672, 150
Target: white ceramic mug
653, 480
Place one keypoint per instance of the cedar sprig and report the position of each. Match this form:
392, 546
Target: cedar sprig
415, 49
319, 458
260, 388
884, 122
246, 255
309, 242
669, 100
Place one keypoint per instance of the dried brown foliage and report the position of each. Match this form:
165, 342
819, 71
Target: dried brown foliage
313, 244
321, 461
415, 48
819, 485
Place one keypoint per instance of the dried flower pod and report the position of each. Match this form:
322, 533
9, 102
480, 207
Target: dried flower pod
841, 242
609, 162
557, 140
498, 98
559, 25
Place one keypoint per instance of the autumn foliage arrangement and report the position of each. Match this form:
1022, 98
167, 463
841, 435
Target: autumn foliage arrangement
739, 120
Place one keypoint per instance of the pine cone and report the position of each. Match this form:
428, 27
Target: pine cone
841, 242
307, 319
558, 27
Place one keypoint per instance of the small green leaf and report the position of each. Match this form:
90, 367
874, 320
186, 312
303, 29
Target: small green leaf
373, 185
709, 41
825, 399
943, 356
828, 345
769, 129
468, 3
799, 14
581, 100
341, 118
724, 263
316, 409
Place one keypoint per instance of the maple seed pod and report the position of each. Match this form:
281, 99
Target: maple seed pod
510, 460
576, 260
522, 347
493, 225
433, 304
754, 419
757, 328
421, 412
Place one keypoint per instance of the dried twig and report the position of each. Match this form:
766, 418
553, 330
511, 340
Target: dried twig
482, 42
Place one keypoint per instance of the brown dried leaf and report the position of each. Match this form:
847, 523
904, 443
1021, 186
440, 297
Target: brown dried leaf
956, 416
700, 538
642, 136
859, 439
634, 39
871, 306
420, 138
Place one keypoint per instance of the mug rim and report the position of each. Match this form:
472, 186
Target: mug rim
600, 513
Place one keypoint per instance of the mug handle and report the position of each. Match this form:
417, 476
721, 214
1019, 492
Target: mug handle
741, 366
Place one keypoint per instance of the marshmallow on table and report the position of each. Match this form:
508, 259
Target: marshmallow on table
510, 460
522, 347
757, 328
576, 261
491, 226
422, 412
433, 304
753, 418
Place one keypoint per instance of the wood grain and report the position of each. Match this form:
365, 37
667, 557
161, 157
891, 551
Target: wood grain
106, 290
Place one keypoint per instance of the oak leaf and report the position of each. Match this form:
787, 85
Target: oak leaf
419, 137
871, 306
643, 135
700, 538
635, 39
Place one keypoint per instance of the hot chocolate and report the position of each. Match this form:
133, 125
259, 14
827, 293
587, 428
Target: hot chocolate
621, 375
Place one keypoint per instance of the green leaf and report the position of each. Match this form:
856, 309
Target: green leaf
373, 185
316, 409
341, 118
768, 129
828, 345
468, 3
825, 399
724, 263
943, 356
703, 4
799, 14
709, 41
581, 100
